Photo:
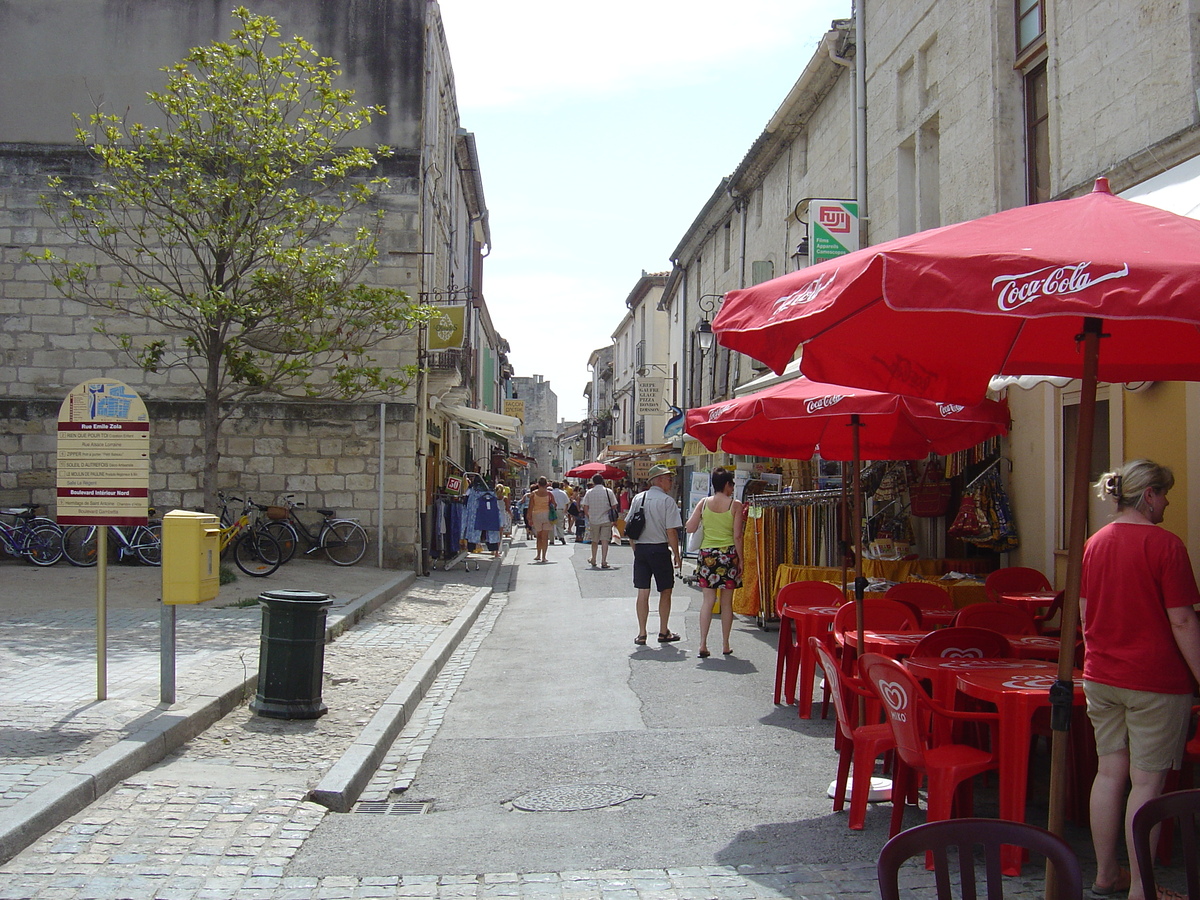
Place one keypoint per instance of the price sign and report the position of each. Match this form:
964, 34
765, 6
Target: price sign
103, 455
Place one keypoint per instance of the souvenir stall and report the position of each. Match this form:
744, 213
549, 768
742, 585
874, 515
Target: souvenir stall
945, 519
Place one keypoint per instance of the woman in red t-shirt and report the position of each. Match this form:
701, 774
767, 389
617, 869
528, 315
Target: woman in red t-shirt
1143, 656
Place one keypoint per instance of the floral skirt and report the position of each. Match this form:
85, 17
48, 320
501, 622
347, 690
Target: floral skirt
719, 568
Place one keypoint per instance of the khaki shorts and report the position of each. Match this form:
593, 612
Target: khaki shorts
600, 533
1152, 726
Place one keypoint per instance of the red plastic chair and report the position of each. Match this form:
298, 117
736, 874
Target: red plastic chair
795, 666
928, 598
947, 767
937, 839
1179, 807
1002, 617
964, 642
1051, 612
1017, 579
879, 614
861, 744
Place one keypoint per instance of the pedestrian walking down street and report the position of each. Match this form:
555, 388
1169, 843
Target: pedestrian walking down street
600, 508
563, 502
656, 552
540, 504
719, 518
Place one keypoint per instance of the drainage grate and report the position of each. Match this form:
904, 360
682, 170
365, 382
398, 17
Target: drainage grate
571, 798
392, 807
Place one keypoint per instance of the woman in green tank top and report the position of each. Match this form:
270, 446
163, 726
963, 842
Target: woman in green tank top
720, 570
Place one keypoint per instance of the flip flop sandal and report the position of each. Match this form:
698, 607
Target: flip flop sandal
667, 638
1120, 886
640, 640
1163, 893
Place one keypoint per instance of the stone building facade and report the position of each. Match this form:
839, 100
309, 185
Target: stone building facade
367, 459
970, 109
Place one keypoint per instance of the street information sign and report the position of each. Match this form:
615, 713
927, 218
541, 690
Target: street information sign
103, 455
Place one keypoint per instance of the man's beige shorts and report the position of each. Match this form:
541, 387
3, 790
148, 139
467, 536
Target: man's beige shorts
600, 533
1153, 726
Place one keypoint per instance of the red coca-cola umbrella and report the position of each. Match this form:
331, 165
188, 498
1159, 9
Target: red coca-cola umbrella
1094, 287
795, 418
591, 469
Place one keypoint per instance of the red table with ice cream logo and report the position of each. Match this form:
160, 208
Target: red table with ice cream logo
1018, 693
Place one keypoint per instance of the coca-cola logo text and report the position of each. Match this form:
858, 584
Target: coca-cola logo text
717, 411
806, 294
1017, 290
949, 409
821, 403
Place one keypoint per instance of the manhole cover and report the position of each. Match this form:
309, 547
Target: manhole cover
392, 808
569, 798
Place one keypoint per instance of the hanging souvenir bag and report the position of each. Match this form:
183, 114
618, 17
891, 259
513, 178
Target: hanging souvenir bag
968, 523
930, 497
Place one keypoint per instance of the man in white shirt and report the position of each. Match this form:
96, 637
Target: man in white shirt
563, 501
597, 503
656, 551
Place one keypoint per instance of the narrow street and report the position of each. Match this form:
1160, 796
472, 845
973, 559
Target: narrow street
551, 756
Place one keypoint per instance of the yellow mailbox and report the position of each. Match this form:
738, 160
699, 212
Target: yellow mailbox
191, 551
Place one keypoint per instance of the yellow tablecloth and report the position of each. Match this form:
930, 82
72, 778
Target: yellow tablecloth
963, 592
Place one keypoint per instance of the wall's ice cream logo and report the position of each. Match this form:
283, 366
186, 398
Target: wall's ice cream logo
1017, 290
806, 294
895, 696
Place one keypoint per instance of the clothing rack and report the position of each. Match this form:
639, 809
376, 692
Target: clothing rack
985, 470
795, 498
473, 480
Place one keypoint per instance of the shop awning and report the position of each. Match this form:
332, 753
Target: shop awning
493, 424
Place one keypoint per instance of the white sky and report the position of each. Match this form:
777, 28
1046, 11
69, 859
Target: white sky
602, 130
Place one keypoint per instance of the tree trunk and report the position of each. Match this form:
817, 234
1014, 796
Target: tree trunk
211, 431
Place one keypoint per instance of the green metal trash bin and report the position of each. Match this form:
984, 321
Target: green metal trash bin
291, 655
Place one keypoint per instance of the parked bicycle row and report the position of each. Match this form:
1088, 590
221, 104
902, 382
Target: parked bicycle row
260, 538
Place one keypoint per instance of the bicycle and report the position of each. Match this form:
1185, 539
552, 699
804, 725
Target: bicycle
343, 540
255, 552
142, 542
36, 538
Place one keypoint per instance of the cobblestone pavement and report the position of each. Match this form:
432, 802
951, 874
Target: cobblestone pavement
222, 817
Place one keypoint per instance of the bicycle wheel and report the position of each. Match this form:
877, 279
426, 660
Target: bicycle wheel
44, 545
256, 553
344, 542
285, 535
147, 543
80, 545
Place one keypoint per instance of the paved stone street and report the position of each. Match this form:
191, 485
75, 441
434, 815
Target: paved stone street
226, 815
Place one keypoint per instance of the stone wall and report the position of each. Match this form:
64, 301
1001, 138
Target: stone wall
327, 454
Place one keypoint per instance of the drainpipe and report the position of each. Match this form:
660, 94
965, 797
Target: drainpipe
382, 461
860, 84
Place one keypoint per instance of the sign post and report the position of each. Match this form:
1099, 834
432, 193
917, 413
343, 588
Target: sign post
103, 478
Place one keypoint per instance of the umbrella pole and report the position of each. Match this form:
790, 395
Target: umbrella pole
1062, 694
844, 532
860, 583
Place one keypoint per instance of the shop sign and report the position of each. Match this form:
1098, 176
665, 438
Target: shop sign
103, 455
650, 396
832, 228
446, 327
515, 408
454, 484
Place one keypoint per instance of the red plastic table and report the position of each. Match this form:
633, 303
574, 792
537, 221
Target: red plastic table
1017, 693
1035, 646
1030, 601
892, 644
807, 620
